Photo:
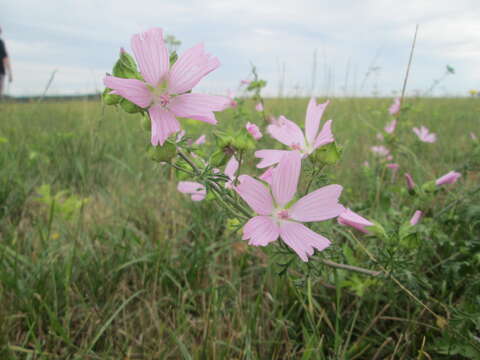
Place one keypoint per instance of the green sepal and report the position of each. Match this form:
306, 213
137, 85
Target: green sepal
328, 154
130, 107
125, 67
110, 99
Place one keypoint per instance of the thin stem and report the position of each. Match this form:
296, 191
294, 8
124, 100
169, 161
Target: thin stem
192, 165
405, 80
351, 268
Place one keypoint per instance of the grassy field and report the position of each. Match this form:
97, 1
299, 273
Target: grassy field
102, 258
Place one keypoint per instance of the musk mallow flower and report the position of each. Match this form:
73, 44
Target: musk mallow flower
416, 217
390, 128
424, 134
230, 170
350, 218
290, 134
259, 107
395, 107
449, 178
277, 216
254, 131
410, 182
380, 150
165, 90
196, 190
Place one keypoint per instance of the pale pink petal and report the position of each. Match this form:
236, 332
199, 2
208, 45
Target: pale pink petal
301, 239
312, 120
151, 55
198, 106
350, 218
261, 230
416, 218
325, 136
390, 128
232, 167
410, 182
254, 131
269, 157
196, 190
267, 175
395, 107
201, 140
131, 89
285, 178
259, 107
190, 68
288, 133
448, 178
319, 205
255, 194
164, 124
380, 150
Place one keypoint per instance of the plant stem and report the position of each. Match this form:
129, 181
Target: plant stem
351, 268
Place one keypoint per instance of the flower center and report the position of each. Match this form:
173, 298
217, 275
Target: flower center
283, 214
296, 146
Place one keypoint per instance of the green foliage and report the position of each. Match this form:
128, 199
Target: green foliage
61, 204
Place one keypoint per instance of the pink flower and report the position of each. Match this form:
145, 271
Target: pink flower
290, 134
449, 178
164, 90
259, 107
424, 135
410, 182
245, 82
393, 166
201, 140
380, 137
254, 131
390, 128
395, 107
231, 96
277, 217
416, 218
349, 218
196, 190
380, 150
230, 170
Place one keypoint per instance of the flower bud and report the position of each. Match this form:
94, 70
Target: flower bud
130, 107
146, 123
328, 154
163, 153
125, 67
110, 99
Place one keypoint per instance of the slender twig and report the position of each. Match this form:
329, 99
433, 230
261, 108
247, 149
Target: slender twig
351, 268
405, 80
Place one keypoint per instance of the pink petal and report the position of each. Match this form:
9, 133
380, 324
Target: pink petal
201, 140
395, 107
151, 55
164, 124
255, 194
190, 68
301, 239
231, 169
131, 89
269, 157
319, 205
288, 133
416, 218
261, 230
448, 178
325, 136
350, 218
259, 107
198, 106
312, 120
285, 178
196, 190
390, 128
267, 175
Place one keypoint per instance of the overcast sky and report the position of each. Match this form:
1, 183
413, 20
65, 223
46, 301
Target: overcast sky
81, 40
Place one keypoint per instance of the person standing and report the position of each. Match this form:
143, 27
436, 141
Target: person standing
5, 67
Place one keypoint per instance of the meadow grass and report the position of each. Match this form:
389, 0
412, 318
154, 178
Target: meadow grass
101, 257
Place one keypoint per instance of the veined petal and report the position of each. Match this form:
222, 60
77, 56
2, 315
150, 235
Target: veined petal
255, 194
151, 55
285, 178
190, 68
131, 89
261, 230
325, 137
269, 157
288, 133
196, 190
198, 106
164, 124
319, 205
231, 168
301, 239
312, 120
